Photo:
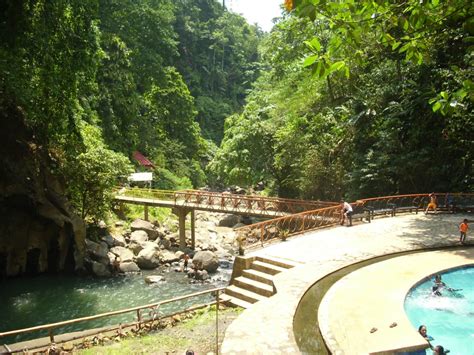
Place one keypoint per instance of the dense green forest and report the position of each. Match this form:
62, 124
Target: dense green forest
359, 98
97, 80
342, 98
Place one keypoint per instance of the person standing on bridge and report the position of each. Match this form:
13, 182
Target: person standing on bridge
346, 211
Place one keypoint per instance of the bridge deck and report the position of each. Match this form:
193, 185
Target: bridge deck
200, 206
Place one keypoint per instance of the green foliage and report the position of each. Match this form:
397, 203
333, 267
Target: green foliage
218, 60
166, 180
49, 52
311, 130
132, 212
405, 31
92, 171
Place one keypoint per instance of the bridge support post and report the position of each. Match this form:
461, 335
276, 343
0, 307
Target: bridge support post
182, 213
193, 234
146, 212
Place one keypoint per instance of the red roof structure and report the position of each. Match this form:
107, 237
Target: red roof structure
142, 160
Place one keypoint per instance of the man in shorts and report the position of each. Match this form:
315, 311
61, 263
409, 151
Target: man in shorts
433, 203
346, 211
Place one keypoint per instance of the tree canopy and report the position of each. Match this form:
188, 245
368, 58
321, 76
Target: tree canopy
359, 98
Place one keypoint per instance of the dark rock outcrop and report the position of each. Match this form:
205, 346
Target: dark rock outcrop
38, 229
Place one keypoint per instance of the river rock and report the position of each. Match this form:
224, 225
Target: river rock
179, 254
172, 237
201, 275
148, 258
129, 267
229, 220
206, 260
100, 269
154, 279
138, 247
97, 251
114, 241
138, 236
123, 253
168, 256
166, 243
149, 228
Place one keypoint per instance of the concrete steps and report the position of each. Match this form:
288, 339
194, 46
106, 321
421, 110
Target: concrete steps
256, 282
235, 301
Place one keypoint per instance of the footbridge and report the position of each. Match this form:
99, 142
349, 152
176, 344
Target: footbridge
186, 202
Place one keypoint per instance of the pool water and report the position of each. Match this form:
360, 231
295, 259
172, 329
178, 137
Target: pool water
450, 317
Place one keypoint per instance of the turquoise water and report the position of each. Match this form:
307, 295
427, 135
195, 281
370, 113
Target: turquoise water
450, 317
27, 302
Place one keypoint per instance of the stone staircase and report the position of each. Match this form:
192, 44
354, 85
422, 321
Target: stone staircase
256, 282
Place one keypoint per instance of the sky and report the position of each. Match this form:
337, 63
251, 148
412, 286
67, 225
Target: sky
257, 11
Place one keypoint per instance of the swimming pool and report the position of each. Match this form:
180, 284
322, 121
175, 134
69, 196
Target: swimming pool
449, 317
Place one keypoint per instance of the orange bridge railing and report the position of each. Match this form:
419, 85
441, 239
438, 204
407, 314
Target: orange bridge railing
259, 233
226, 202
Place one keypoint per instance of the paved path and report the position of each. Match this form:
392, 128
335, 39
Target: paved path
267, 326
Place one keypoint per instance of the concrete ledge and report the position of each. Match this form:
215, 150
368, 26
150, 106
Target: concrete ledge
373, 297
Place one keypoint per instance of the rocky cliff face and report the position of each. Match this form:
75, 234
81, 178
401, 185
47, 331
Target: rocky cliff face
39, 232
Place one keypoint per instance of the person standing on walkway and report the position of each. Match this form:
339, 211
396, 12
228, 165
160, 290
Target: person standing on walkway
346, 212
463, 228
433, 203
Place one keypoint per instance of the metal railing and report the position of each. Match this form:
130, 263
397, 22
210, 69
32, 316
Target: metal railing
259, 233
226, 202
144, 314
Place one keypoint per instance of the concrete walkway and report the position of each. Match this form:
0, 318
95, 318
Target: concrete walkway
267, 326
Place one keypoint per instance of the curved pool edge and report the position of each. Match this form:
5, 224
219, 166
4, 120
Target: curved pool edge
267, 326
378, 291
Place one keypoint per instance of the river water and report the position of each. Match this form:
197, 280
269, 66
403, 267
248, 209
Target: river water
27, 302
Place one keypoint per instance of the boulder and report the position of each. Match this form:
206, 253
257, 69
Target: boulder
172, 237
138, 236
100, 269
119, 240
168, 257
123, 253
229, 221
201, 275
165, 243
129, 267
97, 251
154, 279
149, 228
148, 258
179, 254
113, 241
138, 247
206, 260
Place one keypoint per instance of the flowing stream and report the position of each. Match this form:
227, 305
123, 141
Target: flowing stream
27, 302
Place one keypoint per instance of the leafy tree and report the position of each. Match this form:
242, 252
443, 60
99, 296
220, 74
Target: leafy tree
218, 60
92, 172
49, 52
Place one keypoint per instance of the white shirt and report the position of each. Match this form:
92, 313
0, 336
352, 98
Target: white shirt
347, 207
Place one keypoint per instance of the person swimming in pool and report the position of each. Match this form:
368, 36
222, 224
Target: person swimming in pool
439, 286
